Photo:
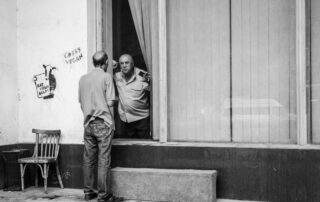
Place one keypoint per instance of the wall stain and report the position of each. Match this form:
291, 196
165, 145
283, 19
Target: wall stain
66, 175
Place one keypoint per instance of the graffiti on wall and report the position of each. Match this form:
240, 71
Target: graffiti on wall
73, 56
45, 82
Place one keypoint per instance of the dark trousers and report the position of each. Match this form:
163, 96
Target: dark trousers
97, 147
136, 129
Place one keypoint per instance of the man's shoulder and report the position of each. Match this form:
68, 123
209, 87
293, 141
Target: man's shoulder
108, 75
117, 76
138, 70
83, 77
117, 73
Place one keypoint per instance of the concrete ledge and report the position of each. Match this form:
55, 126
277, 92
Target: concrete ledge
164, 184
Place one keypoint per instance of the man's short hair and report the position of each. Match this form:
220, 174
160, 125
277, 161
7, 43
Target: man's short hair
99, 58
128, 56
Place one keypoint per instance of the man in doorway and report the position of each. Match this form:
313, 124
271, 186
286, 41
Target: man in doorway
97, 96
133, 85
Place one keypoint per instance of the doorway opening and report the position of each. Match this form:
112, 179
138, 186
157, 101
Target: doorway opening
125, 41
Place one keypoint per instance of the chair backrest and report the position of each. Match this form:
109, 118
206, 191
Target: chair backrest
47, 143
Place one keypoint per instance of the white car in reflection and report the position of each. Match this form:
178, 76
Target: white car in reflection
260, 119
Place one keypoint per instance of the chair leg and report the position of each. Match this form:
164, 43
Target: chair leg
45, 177
36, 177
22, 176
58, 174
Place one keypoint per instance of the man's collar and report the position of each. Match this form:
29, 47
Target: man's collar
97, 69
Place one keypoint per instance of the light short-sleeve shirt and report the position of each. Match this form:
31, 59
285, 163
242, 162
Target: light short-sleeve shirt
133, 96
96, 88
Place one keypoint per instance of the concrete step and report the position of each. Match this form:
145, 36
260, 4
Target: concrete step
176, 185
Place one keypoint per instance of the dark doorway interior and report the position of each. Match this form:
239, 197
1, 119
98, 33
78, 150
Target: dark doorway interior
125, 40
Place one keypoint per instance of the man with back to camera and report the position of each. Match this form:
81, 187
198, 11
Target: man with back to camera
133, 85
97, 96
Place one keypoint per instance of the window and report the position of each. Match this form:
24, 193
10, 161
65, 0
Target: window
232, 71
198, 41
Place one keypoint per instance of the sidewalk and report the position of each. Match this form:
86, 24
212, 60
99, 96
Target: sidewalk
57, 194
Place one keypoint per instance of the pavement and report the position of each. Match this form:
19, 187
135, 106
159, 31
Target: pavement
32, 194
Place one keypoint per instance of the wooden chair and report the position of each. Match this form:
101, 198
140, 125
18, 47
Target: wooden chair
46, 152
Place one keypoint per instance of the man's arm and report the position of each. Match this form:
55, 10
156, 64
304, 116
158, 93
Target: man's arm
146, 85
145, 80
79, 95
110, 91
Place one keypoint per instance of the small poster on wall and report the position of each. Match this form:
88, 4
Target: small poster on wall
45, 82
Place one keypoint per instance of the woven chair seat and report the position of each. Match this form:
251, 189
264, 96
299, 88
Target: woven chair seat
37, 160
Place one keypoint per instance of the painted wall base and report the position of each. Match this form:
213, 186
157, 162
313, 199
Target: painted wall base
284, 175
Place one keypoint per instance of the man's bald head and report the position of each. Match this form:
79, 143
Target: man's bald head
127, 56
99, 58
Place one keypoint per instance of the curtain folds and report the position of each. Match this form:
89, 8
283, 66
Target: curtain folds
145, 17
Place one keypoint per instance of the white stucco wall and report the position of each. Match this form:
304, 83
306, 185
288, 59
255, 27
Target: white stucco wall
8, 73
46, 31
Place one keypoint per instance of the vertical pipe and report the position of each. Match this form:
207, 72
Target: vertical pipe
163, 93
301, 72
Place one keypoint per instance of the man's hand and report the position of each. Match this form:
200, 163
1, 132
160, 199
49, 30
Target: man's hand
114, 64
110, 103
146, 78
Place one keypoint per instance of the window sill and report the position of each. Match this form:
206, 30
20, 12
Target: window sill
131, 142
